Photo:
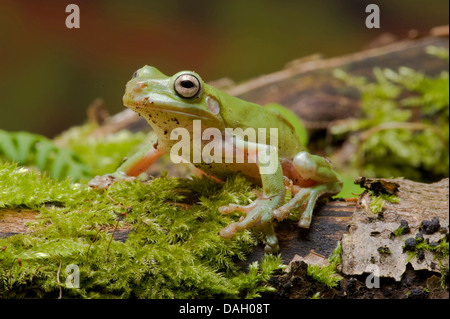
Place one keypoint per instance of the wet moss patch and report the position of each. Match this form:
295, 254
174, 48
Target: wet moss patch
172, 250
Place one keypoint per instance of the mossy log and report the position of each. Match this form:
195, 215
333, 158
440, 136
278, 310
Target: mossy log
333, 221
361, 232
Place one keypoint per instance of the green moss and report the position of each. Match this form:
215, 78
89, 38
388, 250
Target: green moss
172, 252
336, 256
376, 204
22, 187
258, 273
316, 296
377, 201
327, 275
384, 250
391, 139
440, 251
399, 231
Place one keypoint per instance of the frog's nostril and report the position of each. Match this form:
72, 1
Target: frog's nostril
136, 74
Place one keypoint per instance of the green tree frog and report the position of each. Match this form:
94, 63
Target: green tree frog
171, 103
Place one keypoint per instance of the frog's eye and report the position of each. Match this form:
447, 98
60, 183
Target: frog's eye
187, 86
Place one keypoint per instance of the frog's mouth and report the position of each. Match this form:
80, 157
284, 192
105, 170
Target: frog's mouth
147, 106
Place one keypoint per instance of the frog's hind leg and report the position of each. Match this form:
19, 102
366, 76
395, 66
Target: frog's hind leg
327, 182
260, 211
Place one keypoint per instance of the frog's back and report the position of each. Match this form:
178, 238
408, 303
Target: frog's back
289, 140
250, 115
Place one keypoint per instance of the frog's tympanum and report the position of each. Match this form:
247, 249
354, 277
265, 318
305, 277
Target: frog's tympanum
172, 105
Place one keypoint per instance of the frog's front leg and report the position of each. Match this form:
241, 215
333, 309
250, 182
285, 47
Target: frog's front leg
132, 166
313, 177
260, 211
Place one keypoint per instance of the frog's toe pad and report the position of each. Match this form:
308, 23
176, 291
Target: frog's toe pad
268, 249
304, 222
228, 231
233, 207
281, 213
102, 182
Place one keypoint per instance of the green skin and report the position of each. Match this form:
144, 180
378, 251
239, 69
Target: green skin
168, 103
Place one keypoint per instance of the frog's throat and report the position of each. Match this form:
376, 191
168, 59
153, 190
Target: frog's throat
195, 113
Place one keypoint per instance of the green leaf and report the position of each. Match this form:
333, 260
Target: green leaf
44, 150
35, 150
7, 147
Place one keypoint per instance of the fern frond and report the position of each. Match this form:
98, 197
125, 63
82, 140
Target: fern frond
35, 150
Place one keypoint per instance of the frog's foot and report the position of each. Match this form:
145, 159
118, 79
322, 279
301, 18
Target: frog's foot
257, 213
104, 181
231, 229
305, 200
282, 212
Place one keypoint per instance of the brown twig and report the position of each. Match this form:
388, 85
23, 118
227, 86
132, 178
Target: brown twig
95, 237
411, 126
115, 228
128, 208
114, 201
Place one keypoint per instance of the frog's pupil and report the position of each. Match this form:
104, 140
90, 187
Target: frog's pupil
187, 84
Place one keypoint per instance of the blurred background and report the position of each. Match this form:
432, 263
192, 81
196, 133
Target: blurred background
50, 74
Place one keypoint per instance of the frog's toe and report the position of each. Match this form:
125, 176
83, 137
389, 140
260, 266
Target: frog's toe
268, 249
243, 223
281, 213
102, 182
305, 221
234, 207
259, 213
272, 246
228, 231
